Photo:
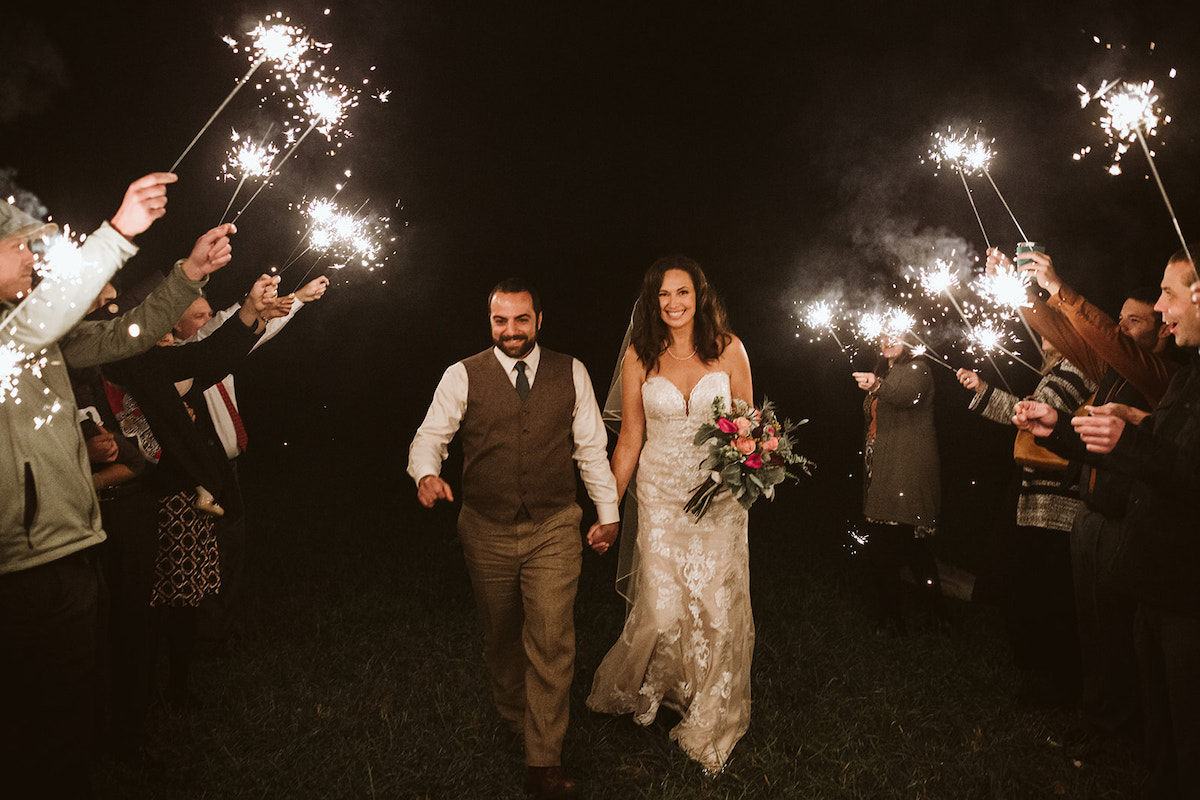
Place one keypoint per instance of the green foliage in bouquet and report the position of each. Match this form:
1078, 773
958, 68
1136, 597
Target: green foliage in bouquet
749, 454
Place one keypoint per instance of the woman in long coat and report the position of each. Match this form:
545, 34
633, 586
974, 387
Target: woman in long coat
902, 490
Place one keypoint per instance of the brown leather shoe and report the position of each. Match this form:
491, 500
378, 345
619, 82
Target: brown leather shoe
549, 783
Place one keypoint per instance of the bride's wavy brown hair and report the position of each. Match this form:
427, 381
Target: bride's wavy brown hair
650, 335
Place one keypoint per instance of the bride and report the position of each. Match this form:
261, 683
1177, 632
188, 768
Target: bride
689, 634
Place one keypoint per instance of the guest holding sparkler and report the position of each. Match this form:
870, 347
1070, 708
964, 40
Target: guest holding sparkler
1035, 578
902, 491
1127, 359
219, 613
50, 585
166, 384
1159, 558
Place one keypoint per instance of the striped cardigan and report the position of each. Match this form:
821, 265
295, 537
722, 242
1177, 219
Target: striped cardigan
1048, 498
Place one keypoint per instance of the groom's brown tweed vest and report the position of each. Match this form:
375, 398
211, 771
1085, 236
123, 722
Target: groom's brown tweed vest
518, 454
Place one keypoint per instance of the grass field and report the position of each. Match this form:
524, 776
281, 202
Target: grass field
358, 674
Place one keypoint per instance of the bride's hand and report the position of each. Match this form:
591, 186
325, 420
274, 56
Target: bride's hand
601, 537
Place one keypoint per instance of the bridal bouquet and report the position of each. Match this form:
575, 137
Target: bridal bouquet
749, 452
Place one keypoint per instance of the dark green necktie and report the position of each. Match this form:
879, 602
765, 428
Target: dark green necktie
522, 381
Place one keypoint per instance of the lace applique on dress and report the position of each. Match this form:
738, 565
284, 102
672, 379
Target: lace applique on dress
688, 640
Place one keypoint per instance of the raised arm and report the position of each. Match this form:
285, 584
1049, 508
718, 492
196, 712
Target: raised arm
92, 342
1146, 370
1046, 319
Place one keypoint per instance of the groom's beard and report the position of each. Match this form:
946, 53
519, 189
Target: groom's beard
517, 346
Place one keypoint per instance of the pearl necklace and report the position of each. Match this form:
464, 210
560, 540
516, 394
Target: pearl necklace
677, 358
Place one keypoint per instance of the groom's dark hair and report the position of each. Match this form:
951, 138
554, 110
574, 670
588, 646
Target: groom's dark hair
515, 286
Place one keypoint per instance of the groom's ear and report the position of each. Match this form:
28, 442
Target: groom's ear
539, 321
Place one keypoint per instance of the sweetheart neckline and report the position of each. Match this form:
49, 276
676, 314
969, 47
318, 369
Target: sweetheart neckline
687, 398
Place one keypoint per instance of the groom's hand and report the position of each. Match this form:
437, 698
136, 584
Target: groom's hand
600, 537
431, 488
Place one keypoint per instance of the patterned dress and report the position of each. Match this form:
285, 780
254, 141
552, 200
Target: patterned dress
689, 637
186, 568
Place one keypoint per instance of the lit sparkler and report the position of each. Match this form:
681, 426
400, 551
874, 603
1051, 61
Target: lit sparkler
342, 235
326, 110
1008, 289
284, 46
941, 279
988, 337
969, 154
820, 316
247, 160
965, 153
1131, 114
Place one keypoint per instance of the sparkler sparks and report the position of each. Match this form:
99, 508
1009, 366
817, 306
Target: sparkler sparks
285, 47
988, 338
249, 160
325, 109
12, 364
969, 154
343, 236
891, 322
942, 277
965, 151
1005, 288
1130, 112
822, 316
1131, 115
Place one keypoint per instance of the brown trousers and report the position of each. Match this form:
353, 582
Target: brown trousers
525, 575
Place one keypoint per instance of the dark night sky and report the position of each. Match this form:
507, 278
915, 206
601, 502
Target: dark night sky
575, 142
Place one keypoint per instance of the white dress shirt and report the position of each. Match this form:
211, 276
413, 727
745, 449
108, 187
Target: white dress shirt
431, 444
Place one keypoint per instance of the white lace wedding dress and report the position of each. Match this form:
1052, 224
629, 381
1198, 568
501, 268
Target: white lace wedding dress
689, 636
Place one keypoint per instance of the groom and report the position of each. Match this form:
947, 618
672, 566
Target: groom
525, 415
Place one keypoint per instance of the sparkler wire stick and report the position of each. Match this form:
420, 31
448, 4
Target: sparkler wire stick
971, 331
231, 199
926, 350
220, 108
274, 172
1024, 238
921, 342
938, 361
973, 208
293, 256
1032, 336
1163, 192
1018, 359
245, 174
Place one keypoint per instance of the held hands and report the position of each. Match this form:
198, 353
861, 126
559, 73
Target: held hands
313, 290
263, 302
1037, 418
1103, 426
601, 537
431, 488
867, 381
102, 448
145, 201
211, 252
971, 380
